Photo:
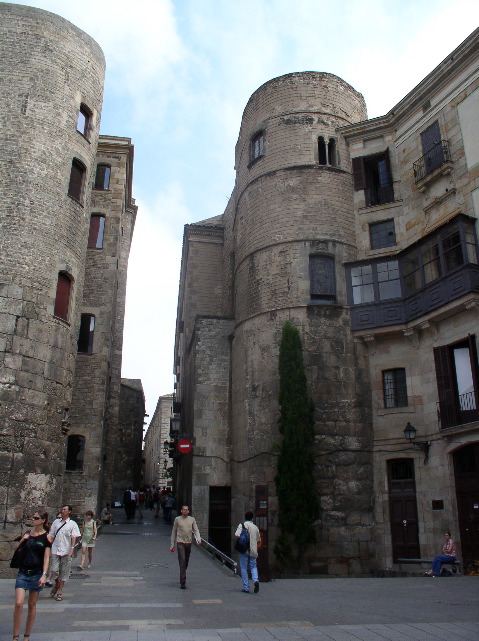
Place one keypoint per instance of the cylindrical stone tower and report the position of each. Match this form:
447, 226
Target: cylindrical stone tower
293, 229
52, 78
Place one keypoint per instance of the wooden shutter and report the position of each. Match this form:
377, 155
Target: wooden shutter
445, 385
359, 176
430, 137
62, 298
94, 229
76, 180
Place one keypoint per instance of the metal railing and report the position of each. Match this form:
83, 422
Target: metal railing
379, 195
458, 411
226, 560
434, 158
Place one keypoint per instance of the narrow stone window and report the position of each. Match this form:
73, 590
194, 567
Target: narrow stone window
97, 231
77, 179
75, 453
322, 158
257, 146
62, 298
87, 331
102, 177
84, 121
395, 388
332, 153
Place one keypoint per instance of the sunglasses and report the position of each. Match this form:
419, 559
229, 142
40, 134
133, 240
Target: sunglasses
36, 518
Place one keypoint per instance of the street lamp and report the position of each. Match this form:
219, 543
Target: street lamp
410, 434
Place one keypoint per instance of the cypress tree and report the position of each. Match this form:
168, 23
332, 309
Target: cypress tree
295, 487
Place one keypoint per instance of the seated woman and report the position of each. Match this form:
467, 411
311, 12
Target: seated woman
448, 555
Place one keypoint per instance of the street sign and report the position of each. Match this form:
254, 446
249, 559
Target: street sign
184, 446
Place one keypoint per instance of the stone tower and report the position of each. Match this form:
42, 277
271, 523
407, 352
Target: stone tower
287, 231
52, 86
293, 230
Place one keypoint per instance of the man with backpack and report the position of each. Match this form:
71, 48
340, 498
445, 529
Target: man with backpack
247, 539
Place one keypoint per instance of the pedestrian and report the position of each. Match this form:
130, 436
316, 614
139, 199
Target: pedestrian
448, 555
88, 537
168, 509
129, 501
248, 558
141, 498
184, 526
32, 573
106, 516
64, 533
156, 502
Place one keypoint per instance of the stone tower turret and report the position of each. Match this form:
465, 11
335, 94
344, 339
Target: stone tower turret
52, 86
291, 231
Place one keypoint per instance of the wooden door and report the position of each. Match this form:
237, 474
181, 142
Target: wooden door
466, 471
403, 509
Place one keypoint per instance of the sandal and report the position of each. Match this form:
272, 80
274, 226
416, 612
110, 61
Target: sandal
53, 592
58, 597
26, 636
15, 638
80, 567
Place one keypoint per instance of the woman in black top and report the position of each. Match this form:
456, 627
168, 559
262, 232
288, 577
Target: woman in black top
33, 572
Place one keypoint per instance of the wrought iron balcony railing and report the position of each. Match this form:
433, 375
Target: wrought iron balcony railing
434, 158
458, 411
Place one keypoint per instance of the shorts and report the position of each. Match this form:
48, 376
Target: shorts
29, 582
60, 566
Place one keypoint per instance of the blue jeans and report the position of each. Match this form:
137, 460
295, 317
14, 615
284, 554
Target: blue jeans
247, 561
438, 561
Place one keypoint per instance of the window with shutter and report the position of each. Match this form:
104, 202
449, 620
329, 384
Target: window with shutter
257, 146
457, 375
97, 231
84, 121
102, 177
322, 279
373, 174
77, 176
62, 298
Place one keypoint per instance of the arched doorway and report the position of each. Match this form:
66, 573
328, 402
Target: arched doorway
466, 472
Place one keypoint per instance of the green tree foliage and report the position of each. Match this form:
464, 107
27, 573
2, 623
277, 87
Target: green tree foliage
295, 487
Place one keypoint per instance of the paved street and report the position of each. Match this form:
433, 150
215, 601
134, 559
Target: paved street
132, 593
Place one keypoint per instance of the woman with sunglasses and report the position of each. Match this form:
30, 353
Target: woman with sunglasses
32, 574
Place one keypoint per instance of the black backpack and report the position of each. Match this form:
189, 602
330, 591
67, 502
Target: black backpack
242, 542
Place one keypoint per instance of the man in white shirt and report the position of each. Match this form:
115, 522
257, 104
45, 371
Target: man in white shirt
184, 528
64, 533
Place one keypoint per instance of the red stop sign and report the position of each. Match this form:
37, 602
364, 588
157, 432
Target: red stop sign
184, 446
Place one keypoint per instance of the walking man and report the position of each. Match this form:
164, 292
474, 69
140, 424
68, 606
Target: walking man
181, 534
64, 533
248, 558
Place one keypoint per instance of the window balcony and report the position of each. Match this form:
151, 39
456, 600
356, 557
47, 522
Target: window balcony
458, 411
436, 162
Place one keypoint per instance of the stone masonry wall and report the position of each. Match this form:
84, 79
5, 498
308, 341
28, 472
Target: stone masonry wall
48, 68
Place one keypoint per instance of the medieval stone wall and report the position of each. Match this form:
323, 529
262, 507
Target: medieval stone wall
48, 69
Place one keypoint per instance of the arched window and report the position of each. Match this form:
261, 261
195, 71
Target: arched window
62, 297
97, 231
322, 158
102, 177
75, 453
77, 179
257, 146
85, 337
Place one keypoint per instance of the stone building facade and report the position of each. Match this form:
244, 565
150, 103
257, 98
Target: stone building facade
328, 214
157, 461
59, 370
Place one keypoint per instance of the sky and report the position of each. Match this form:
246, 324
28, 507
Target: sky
179, 74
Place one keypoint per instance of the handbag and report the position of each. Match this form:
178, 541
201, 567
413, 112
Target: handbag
18, 556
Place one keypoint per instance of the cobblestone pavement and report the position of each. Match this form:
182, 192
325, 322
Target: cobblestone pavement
132, 593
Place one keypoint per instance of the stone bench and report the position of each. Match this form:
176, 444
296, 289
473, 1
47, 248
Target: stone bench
455, 566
